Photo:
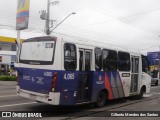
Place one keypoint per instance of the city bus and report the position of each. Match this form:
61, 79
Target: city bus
65, 70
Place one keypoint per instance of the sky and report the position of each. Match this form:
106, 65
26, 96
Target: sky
126, 24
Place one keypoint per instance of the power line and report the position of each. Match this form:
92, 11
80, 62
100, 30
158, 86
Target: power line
10, 26
100, 38
123, 19
14, 14
99, 42
92, 32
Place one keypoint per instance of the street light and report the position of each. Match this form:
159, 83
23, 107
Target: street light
73, 13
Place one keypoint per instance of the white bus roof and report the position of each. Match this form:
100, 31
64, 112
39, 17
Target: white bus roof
97, 43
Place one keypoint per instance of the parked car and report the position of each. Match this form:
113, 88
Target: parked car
155, 81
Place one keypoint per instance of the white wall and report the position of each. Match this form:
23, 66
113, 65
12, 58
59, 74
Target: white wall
6, 59
5, 48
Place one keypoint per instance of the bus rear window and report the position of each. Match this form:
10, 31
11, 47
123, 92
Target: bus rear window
37, 52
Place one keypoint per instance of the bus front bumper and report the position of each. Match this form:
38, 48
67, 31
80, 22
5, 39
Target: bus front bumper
52, 98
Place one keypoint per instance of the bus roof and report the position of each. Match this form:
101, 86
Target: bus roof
84, 41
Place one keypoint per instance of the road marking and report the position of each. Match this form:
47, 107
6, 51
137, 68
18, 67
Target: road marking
17, 104
7, 96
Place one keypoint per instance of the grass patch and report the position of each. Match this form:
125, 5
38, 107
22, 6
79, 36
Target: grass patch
7, 78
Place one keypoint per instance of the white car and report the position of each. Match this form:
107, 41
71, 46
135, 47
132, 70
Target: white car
155, 81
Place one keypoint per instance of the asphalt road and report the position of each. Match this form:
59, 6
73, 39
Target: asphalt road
9, 101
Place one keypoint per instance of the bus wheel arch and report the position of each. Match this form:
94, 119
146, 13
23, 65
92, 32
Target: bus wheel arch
102, 98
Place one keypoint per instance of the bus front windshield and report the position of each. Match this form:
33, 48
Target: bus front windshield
37, 52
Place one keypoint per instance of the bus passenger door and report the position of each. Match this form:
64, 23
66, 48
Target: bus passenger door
134, 74
84, 75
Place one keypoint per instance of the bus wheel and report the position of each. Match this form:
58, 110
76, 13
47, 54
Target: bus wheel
101, 100
141, 93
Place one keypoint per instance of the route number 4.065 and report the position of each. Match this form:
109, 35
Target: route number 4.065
69, 76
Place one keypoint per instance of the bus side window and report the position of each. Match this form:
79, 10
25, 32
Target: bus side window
109, 60
98, 59
123, 61
70, 60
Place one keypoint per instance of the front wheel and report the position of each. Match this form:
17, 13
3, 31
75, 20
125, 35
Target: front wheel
141, 93
101, 100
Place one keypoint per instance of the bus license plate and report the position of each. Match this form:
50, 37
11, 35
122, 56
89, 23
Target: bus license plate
32, 97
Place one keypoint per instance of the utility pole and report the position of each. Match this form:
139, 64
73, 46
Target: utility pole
159, 64
18, 45
48, 18
45, 15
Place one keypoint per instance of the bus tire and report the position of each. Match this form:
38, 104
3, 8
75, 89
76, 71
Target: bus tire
101, 100
141, 93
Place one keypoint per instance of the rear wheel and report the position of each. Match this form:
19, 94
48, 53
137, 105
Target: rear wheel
101, 100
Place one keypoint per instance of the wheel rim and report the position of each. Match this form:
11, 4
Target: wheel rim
100, 99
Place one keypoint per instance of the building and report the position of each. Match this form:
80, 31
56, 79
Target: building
7, 53
154, 60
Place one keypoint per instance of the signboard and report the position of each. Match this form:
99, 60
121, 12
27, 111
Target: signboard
22, 17
153, 57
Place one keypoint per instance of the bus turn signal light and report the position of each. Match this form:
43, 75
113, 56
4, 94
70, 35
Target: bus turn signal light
54, 82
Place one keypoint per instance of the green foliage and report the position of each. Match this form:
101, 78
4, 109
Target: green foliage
7, 78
